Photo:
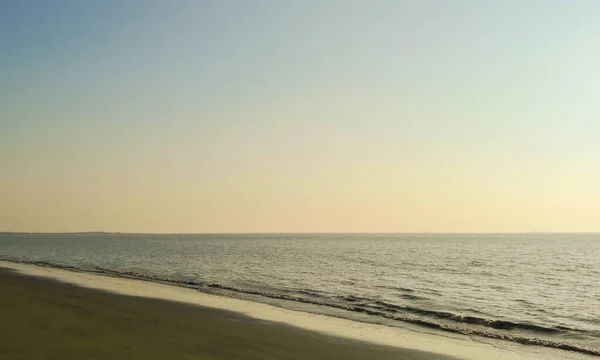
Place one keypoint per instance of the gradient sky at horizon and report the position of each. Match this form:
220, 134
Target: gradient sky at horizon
299, 116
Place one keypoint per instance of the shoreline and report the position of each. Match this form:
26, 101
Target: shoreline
42, 318
400, 339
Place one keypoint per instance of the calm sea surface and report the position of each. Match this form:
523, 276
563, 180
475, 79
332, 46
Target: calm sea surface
528, 288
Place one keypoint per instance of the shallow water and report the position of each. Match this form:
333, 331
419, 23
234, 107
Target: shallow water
533, 289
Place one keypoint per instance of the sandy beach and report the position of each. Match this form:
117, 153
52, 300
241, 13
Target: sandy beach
46, 319
49, 313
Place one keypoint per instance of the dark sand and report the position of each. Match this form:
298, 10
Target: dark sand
45, 319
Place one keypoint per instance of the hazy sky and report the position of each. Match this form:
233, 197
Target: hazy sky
299, 116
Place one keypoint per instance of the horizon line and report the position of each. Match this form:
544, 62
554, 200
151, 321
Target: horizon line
306, 233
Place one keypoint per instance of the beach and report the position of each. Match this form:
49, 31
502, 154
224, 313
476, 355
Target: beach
46, 319
50, 313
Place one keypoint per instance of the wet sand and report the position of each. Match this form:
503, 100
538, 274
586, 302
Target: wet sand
45, 319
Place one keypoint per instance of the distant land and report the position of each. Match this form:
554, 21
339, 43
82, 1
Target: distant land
59, 233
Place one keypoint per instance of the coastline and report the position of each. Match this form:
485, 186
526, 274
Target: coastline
348, 334
44, 319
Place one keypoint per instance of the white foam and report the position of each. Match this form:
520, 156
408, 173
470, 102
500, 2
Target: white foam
461, 346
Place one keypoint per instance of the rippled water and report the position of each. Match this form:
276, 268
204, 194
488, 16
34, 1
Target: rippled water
533, 289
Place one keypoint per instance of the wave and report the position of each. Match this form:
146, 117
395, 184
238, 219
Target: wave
397, 288
483, 327
496, 324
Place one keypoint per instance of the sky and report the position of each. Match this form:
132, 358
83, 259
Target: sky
299, 116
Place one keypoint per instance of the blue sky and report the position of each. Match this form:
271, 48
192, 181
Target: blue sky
202, 116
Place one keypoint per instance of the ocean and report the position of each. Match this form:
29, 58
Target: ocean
532, 289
